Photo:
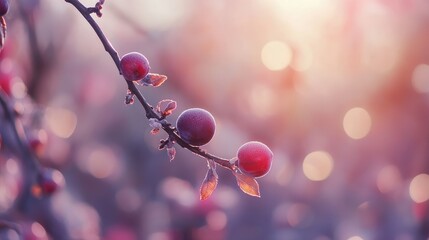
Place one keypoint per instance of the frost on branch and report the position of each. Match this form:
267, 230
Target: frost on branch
210, 181
171, 151
152, 79
247, 184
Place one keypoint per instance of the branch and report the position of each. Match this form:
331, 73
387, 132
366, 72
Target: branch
30, 163
26, 202
150, 113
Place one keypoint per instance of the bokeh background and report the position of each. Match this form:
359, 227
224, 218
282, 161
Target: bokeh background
337, 88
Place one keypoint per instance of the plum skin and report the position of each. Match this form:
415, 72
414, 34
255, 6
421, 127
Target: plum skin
254, 158
196, 126
4, 7
134, 66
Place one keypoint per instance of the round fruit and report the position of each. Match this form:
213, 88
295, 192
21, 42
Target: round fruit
196, 126
50, 181
254, 158
134, 66
4, 7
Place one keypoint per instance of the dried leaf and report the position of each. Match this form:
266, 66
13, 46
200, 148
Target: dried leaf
2, 32
166, 107
209, 184
152, 79
171, 151
247, 184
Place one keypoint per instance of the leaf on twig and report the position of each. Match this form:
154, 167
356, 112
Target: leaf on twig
247, 184
166, 107
152, 79
2, 32
209, 184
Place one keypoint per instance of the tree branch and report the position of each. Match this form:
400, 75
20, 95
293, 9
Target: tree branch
150, 113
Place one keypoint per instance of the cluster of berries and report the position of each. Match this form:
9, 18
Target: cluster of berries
197, 126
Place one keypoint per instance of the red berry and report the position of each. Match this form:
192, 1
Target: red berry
254, 158
134, 66
50, 181
4, 7
196, 126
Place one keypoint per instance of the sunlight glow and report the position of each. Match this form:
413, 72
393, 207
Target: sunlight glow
357, 123
161, 15
38, 231
19, 89
420, 79
355, 238
12, 166
302, 58
216, 220
102, 163
261, 99
318, 165
62, 122
276, 55
419, 190
179, 190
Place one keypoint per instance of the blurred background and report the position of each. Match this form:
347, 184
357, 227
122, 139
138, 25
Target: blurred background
337, 88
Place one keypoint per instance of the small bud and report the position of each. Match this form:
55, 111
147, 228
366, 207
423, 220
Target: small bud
155, 125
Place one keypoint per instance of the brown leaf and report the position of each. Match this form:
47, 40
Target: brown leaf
166, 107
247, 184
209, 184
152, 79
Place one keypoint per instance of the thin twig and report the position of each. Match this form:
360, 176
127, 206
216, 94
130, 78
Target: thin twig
150, 113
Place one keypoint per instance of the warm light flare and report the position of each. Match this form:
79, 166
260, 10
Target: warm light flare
62, 122
355, 238
302, 58
38, 231
216, 220
160, 15
357, 123
419, 190
261, 100
420, 79
388, 179
102, 163
318, 165
276, 55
